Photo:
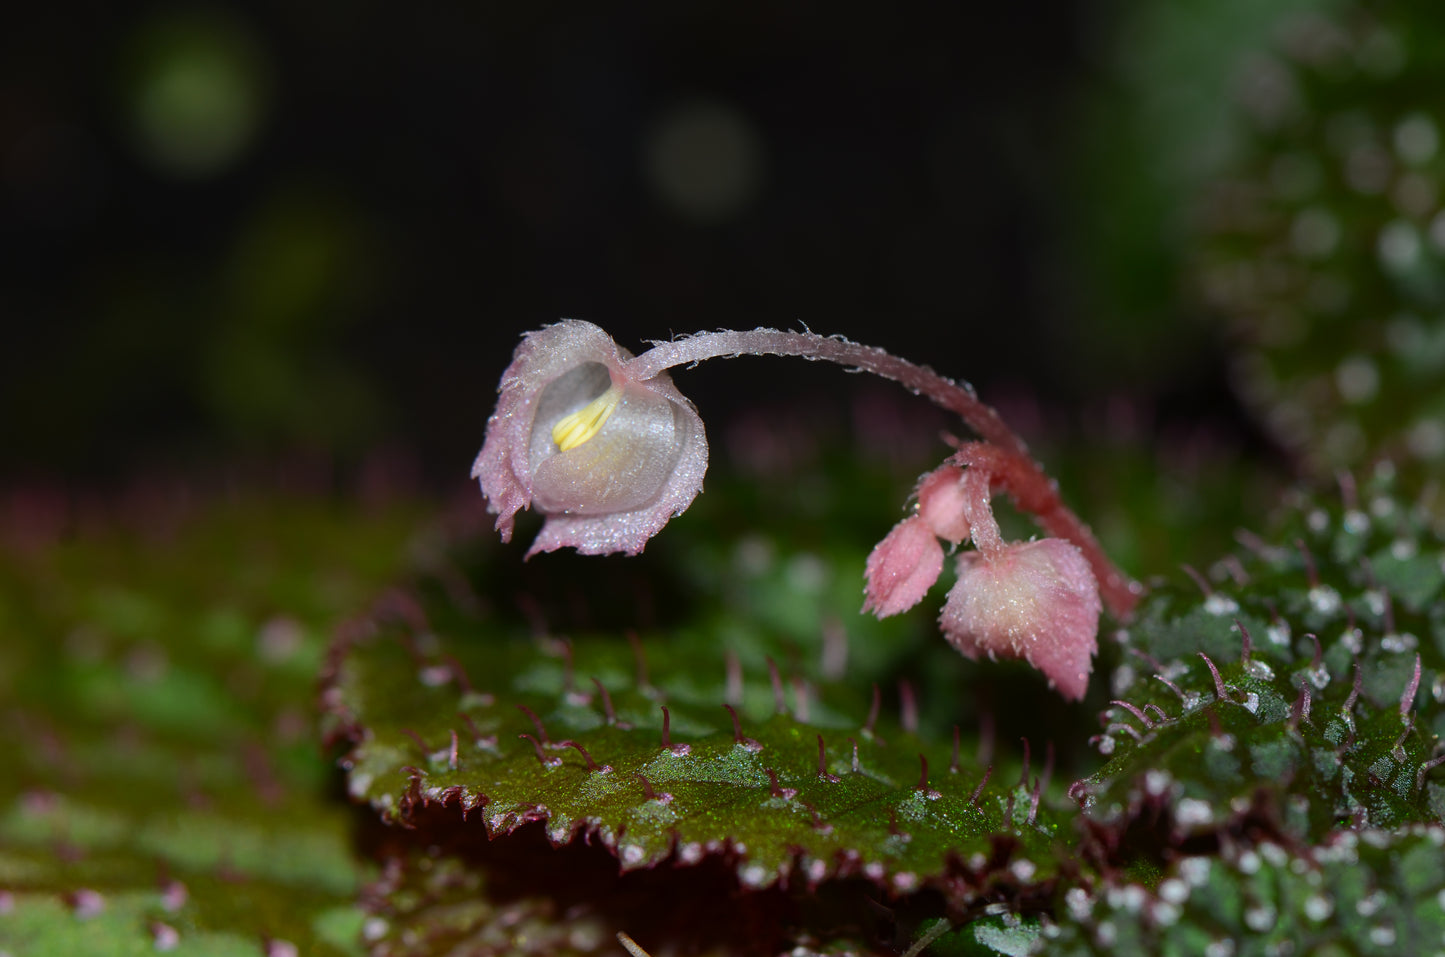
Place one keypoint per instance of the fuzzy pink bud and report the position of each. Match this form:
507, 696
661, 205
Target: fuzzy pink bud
1033, 600
902, 568
941, 503
606, 457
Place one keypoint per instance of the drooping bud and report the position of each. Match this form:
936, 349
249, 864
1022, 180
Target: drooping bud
1038, 601
941, 503
607, 458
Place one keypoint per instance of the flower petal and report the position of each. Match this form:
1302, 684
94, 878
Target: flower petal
620, 488
902, 568
625, 471
1036, 600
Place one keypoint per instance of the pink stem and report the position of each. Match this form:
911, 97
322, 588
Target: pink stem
1037, 494
977, 484
1005, 456
957, 397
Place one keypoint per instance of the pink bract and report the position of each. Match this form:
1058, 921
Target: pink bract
1038, 601
902, 568
613, 491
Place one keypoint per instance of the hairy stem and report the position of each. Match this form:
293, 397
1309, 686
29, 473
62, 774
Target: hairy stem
1038, 495
1005, 456
957, 397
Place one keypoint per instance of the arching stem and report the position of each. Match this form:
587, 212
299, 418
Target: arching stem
1002, 454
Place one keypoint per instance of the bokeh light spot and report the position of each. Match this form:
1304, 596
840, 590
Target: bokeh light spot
196, 92
705, 161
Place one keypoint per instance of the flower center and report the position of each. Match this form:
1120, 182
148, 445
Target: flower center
574, 429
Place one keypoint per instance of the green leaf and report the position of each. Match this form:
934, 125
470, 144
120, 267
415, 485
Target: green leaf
1373, 892
444, 715
1292, 743
163, 783
1321, 244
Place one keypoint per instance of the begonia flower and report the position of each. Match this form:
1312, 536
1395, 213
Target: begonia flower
1038, 601
606, 457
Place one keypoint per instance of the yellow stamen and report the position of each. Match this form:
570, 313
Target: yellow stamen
572, 430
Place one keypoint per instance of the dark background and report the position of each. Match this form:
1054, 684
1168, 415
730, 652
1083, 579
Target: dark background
234, 233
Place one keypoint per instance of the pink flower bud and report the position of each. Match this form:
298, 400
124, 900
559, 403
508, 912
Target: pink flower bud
607, 458
1034, 600
941, 503
902, 568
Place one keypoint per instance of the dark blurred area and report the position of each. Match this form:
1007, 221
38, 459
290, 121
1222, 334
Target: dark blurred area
233, 232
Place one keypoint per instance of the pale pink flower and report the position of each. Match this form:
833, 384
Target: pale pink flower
1038, 601
607, 458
